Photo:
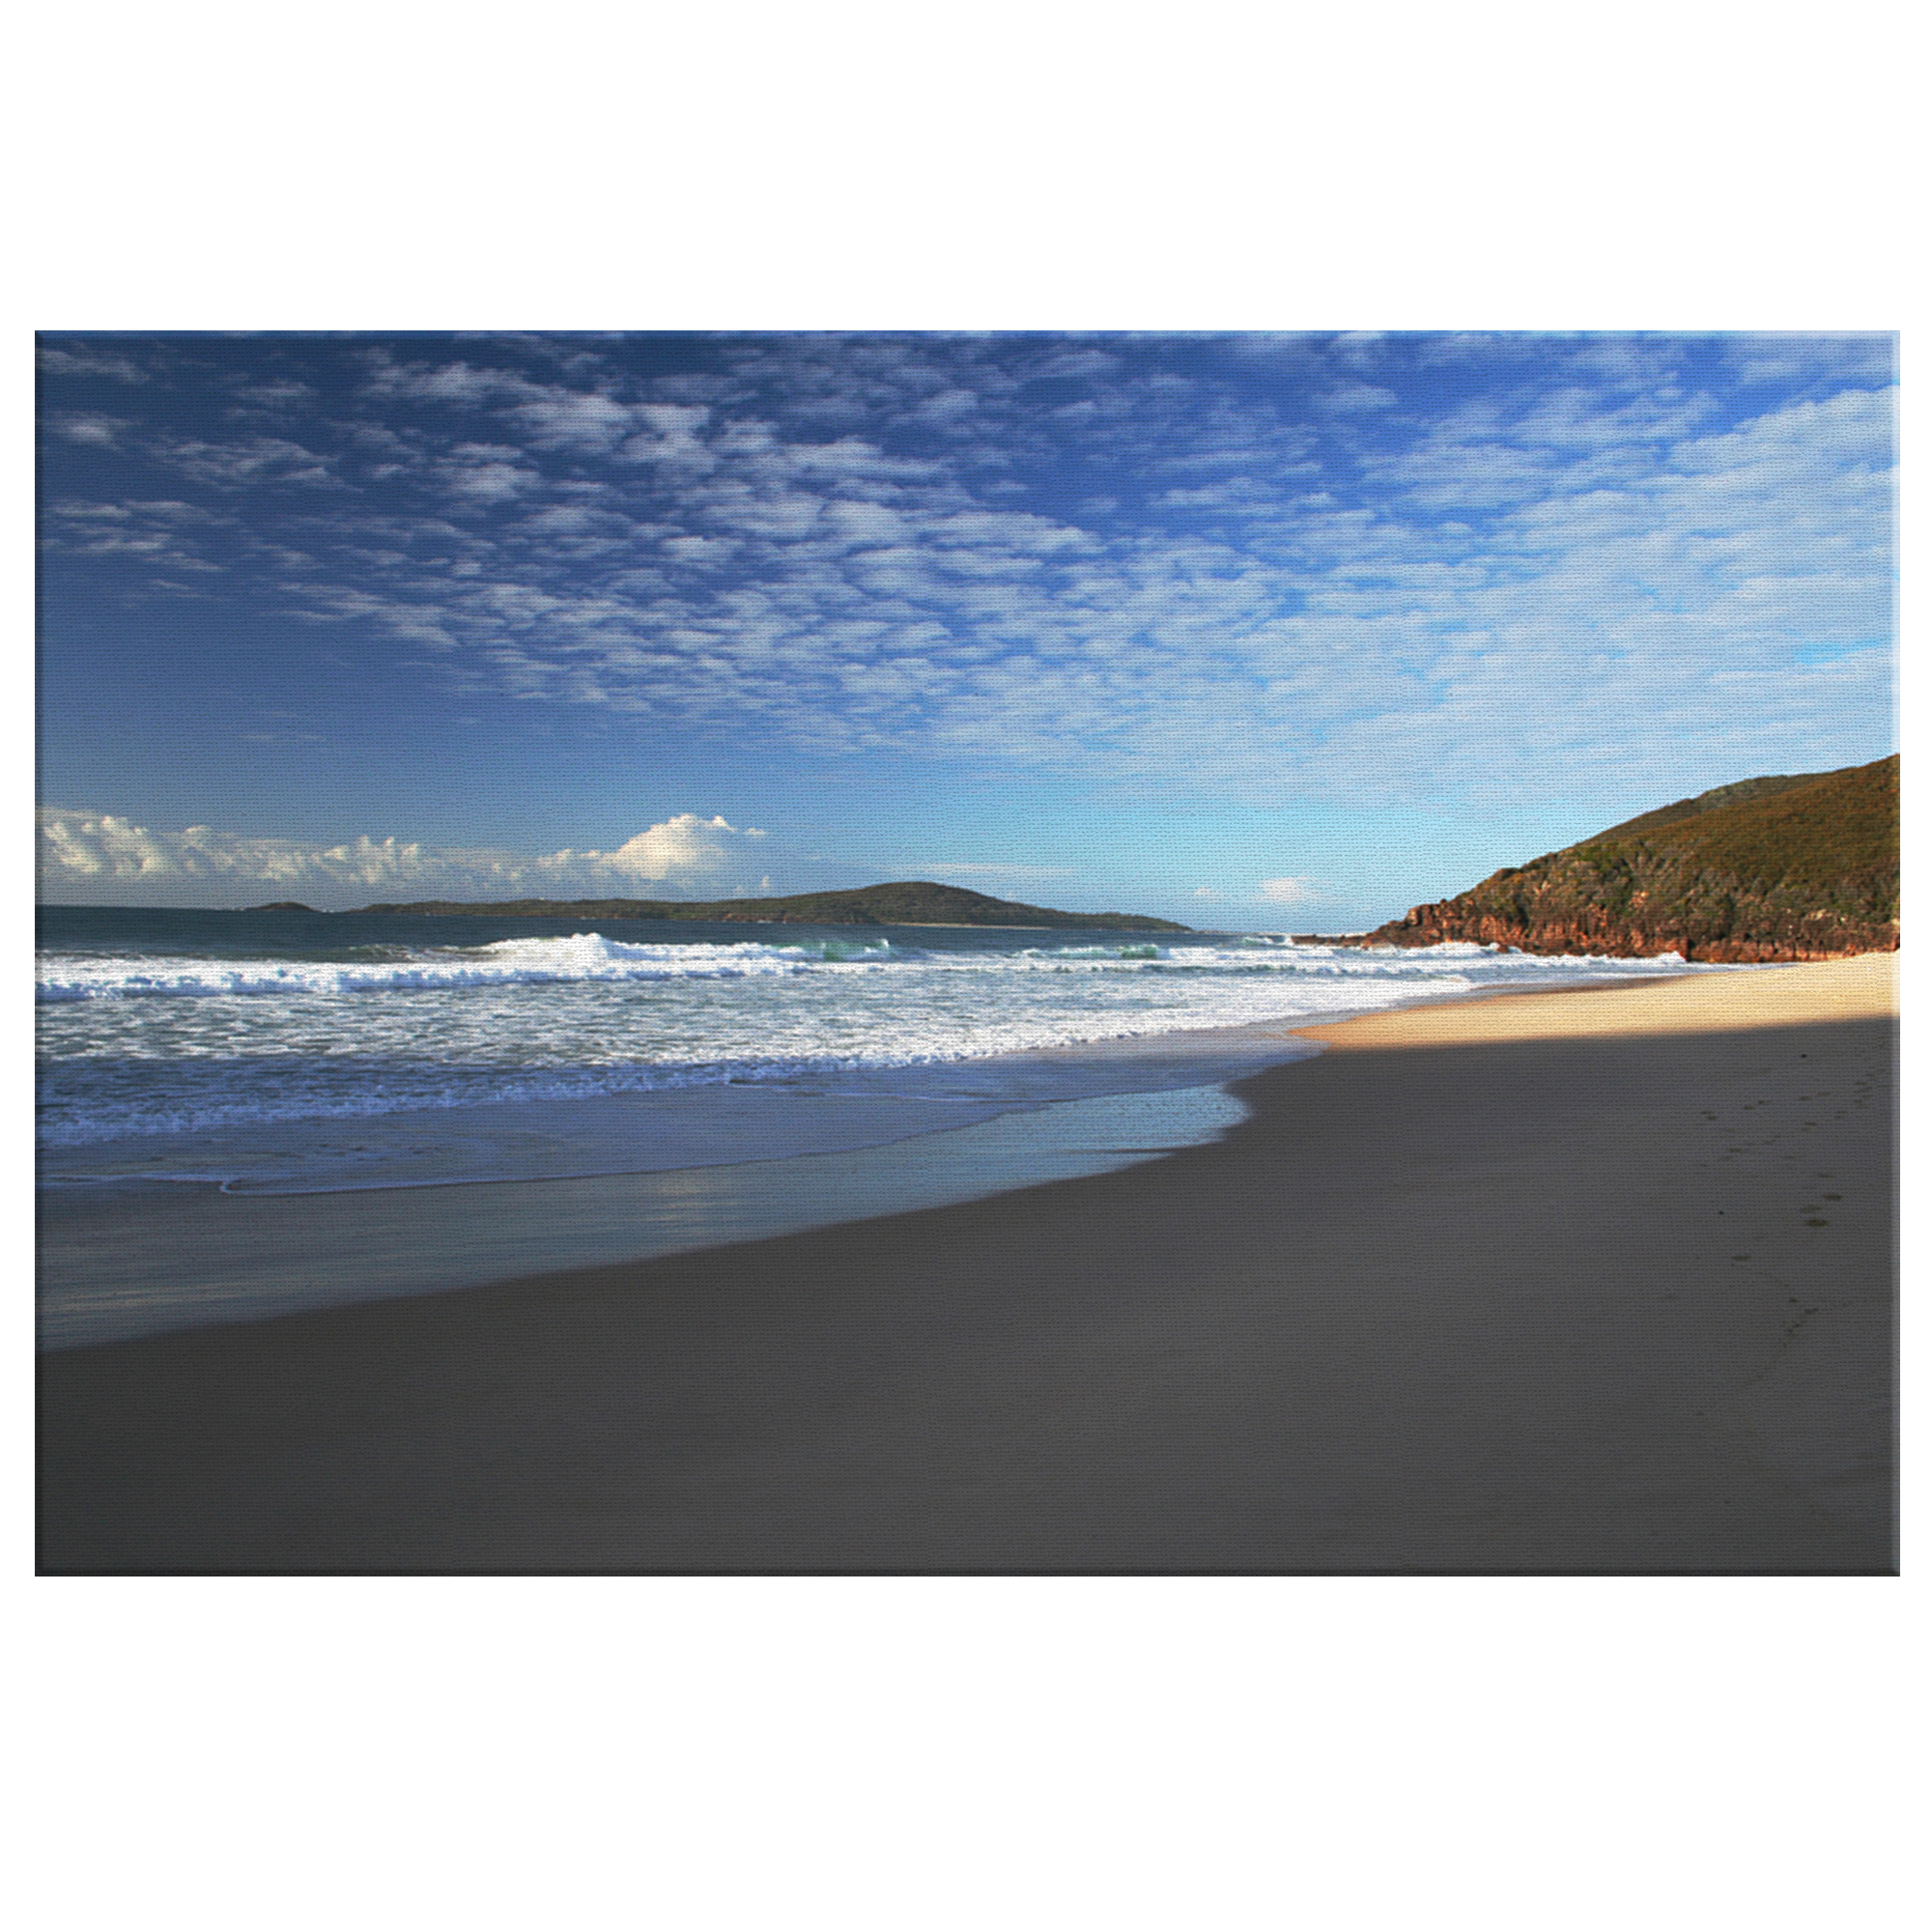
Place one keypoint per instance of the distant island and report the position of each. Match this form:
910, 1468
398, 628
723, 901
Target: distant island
907, 903
1766, 869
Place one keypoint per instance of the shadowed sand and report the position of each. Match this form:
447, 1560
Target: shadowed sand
1595, 1280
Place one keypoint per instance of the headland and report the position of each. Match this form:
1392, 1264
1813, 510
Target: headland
1776, 869
902, 902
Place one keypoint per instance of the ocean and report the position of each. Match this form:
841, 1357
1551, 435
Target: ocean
258, 1053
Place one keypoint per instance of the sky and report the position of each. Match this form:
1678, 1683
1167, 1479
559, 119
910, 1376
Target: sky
1254, 632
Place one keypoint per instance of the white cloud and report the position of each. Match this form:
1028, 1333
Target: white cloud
241, 466
1063, 364
88, 362
272, 392
1358, 396
1579, 572
487, 472
1288, 892
101, 857
456, 384
1795, 358
1357, 346
572, 420
153, 533
98, 431
683, 845
1013, 874
1020, 637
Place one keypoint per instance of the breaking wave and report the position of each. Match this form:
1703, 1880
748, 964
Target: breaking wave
589, 958
147, 1043
582, 957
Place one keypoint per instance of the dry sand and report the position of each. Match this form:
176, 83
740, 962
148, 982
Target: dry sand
1580, 1281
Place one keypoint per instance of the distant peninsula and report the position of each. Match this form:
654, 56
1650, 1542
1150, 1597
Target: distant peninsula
907, 903
1767, 869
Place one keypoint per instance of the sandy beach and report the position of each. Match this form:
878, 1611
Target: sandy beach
1586, 1281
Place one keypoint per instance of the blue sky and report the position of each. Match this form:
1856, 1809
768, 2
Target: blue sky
1245, 630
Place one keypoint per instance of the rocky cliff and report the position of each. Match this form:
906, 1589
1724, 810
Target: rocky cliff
1770, 869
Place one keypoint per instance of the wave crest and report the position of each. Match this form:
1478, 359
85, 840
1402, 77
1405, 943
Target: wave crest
582, 957
589, 958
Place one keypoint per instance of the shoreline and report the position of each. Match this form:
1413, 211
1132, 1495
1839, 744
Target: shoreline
132, 1257
1160, 1051
129, 1253
1513, 1282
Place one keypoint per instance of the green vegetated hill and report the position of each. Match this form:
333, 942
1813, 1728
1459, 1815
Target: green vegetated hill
1770, 869
908, 902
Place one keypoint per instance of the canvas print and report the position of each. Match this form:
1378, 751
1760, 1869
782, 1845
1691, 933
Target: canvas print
966, 954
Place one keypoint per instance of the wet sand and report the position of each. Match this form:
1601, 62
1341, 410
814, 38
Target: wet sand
1596, 1281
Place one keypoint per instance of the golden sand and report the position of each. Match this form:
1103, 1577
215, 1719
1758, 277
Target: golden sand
1864, 988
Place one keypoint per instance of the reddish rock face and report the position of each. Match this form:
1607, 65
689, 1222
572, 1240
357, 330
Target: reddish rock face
1450, 920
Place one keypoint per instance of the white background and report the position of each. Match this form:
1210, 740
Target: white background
924, 1752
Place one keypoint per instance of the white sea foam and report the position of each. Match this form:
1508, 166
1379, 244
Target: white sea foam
589, 957
144, 1045
582, 957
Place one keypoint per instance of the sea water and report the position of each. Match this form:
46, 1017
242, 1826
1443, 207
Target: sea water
296, 1054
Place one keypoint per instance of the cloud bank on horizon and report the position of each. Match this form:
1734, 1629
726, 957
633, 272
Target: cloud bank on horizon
82, 850
1264, 574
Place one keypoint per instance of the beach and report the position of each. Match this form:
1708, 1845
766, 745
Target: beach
1587, 1280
